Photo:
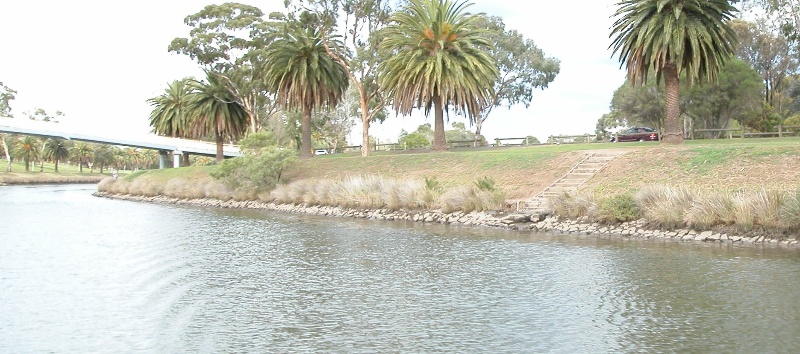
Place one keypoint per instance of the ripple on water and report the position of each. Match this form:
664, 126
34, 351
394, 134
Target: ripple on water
156, 278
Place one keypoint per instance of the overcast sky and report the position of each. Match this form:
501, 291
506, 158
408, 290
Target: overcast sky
99, 61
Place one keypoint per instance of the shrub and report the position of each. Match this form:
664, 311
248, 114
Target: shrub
617, 208
432, 184
258, 173
485, 184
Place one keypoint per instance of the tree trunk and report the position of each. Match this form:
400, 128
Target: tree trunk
672, 124
365, 120
220, 142
56, 165
439, 141
478, 128
80, 165
305, 133
8, 155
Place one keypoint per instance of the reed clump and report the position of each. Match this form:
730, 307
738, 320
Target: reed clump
671, 207
377, 192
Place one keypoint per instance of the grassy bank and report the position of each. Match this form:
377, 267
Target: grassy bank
66, 174
406, 179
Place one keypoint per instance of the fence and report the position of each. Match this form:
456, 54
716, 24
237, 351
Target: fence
782, 131
526, 141
569, 139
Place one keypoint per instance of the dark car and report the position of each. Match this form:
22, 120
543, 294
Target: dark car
637, 134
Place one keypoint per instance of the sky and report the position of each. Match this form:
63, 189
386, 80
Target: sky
99, 61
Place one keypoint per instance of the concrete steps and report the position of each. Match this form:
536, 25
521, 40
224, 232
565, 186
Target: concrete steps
582, 172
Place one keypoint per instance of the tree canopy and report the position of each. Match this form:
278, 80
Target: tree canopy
522, 67
668, 38
439, 61
302, 73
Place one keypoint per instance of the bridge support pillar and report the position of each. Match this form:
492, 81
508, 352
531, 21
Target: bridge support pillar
162, 159
176, 158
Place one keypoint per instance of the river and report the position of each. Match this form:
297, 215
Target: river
81, 274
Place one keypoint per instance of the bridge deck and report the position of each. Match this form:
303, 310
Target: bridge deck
148, 141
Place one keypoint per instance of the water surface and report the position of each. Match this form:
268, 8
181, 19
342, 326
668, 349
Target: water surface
84, 274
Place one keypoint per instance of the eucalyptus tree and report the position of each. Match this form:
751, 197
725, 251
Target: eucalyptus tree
357, 25
671, 37
522, 65
28, 149
56, 149
41, 115
735, 95
6, 96
229, 40
771, 55
783, 14
214, 112
302, 74
6, 142
332, 126
438, 61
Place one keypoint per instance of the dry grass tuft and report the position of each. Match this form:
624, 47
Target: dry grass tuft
376, 192
574, 205
663, 205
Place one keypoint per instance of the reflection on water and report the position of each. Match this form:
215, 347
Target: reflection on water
85, 274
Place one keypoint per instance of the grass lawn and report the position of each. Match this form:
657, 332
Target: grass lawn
722, 164
66, 173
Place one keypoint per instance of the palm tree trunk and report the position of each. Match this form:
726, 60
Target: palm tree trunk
56, 165
439, 141
220, 142
305, 133
672, 125
363, 101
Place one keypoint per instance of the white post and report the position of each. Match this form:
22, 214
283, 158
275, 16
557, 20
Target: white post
176, 158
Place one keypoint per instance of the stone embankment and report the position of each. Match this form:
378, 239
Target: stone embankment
537, 222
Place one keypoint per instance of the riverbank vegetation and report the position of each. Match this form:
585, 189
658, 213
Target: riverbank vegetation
745, 184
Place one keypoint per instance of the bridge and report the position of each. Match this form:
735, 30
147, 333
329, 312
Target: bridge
164, 145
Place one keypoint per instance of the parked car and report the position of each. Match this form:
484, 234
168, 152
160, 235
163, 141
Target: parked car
637, 134
320, 152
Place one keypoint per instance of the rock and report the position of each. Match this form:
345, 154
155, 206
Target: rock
516, 218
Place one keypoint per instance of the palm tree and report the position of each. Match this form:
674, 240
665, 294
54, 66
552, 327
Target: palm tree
81, 151
303, 75
104, 156
28, 150
212, 110
671, 37
55, 149
439, 59
169, 116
